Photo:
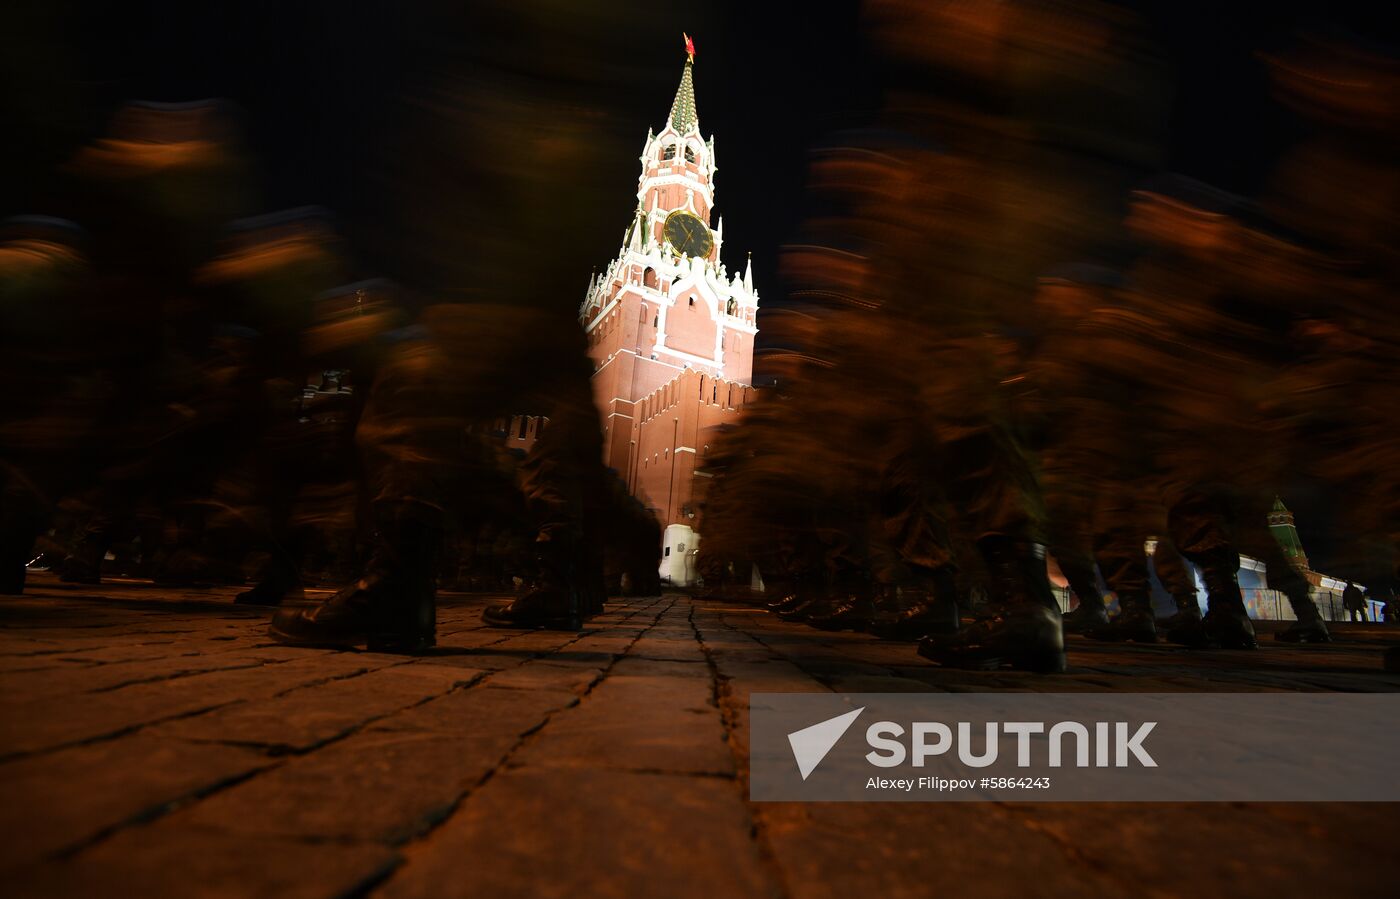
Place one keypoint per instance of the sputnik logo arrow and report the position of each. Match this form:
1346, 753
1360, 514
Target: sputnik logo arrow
811, 744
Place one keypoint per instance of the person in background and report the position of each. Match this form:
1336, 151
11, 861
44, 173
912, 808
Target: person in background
1355, 602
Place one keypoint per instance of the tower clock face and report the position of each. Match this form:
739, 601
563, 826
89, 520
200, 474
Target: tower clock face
687, 234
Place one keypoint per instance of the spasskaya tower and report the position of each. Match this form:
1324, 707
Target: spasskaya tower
670, 330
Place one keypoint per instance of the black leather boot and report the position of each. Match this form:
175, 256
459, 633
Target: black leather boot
392, 608
792, 592
1024, 630
280, 583
1226, 624
786, 603
852, 606
1308, 628
929, 615
934, 613
192, 568
807, 594
84, 563
1088, 615
814, 604
1187, 614
1135, 622
18, 529
552, 603
854, 613
1025, 637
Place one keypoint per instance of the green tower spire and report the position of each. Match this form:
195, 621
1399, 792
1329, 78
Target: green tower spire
683, 117
1286, 533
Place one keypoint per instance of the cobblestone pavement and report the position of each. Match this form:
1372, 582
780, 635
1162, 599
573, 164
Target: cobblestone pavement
154, 742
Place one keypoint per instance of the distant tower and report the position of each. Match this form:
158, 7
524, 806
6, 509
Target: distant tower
670, 329
1286, 533
667, 303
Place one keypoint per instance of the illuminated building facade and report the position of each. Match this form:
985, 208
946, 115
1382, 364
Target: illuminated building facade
670, 331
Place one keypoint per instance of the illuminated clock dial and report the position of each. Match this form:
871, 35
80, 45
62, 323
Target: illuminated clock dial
687, 234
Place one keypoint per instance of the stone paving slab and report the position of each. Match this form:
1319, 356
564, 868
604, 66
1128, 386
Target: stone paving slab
550, 833
389, 786
169, 858
155, 743
639, 722
1248, 850
839, 850
301, 719
29, 725
58, 801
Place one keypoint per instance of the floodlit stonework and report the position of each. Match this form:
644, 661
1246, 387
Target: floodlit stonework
670, 330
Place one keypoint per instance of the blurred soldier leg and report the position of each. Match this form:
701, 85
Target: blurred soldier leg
821, 569
52, 392
914, 521
852, 603
424, 460
558, 476
413, 454
1176, 579
785, 570
990, 485
1119, 545
281, 577
1071, 542
1077, 565
299, 482
22, 518
1200, 522
803, 568
933, 610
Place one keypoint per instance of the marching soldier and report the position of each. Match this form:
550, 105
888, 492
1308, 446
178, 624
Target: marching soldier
492, 171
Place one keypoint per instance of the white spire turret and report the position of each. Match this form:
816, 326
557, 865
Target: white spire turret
686, 289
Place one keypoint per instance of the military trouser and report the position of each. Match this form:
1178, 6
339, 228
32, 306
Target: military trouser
424, 432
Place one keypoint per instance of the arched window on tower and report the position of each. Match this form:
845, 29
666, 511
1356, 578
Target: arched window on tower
669, 152
643, 316
689, 154
730, 307
649, 279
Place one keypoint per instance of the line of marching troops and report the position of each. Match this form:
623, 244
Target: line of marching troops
156, 364
953, 398
957, 394
158, 327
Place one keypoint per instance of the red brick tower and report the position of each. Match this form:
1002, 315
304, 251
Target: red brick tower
670, 331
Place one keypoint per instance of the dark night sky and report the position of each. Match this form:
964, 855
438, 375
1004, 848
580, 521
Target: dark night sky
313, 76
315, 79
